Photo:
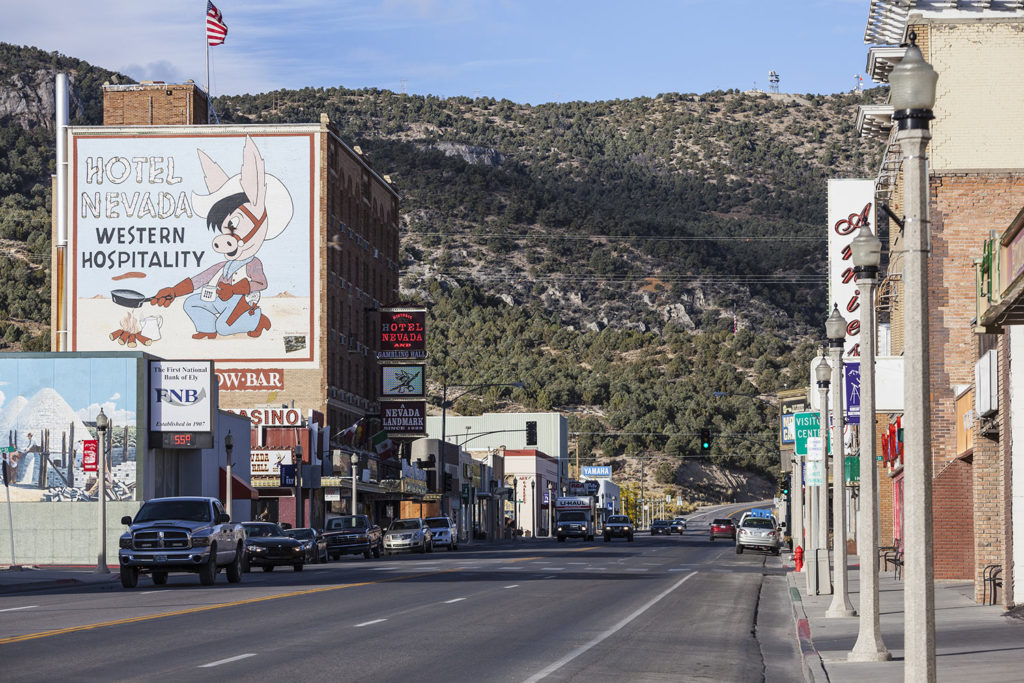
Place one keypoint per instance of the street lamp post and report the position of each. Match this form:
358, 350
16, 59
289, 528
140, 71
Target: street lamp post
533, 508
442, 455
101, 428
912, 95
551, 512
835, 329
817, 504
229, 444
354, 461
867, 253
796, 514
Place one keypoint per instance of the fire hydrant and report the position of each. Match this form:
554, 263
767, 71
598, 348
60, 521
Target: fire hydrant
798, 558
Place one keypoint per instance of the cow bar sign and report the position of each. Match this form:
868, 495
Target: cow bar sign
402, 334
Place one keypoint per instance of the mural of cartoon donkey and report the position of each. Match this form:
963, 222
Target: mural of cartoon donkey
244, 210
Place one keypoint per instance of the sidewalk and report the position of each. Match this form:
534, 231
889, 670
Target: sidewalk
973, 642
31, 578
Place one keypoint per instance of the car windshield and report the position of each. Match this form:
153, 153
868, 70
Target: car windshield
618, 519
405, 524
723, 522
262, 530
184, 510
436, 522
304, 534
346, 523
660, 522
572, 517
758, 523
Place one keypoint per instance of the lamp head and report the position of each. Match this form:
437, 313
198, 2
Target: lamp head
354, 459
823, 373
229, 441
912, 88
101, 421
835, 328
866, 252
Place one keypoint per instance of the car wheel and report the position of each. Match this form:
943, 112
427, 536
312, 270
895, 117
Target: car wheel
235, 568
297, 567
430, 547
335, 556
607, 538
160, 578
423, 547
129, 577
739, 549
711, 539
208, 572
268, 567
377, 551
452, 546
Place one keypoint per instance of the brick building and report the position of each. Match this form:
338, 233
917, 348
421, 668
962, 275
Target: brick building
976, 186
143, 197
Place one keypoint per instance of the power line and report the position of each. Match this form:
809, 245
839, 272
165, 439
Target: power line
653, 238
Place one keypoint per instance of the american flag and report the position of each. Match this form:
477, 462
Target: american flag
216, 29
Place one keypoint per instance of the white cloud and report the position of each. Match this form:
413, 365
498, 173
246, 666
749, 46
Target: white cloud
120, 418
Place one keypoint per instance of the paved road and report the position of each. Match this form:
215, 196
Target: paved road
659, 609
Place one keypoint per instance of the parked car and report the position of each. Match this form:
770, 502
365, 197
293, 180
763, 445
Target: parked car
180, 535
618, 526
352, 535
722, 528
760, 533
408, 534
679, 525
314, 544
444, 531
267, 546
661, 526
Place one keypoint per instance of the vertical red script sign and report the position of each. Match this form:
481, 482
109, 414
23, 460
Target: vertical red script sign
90, 449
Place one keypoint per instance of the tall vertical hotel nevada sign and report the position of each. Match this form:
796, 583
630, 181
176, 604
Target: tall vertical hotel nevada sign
197, 243
851, 204
402, 339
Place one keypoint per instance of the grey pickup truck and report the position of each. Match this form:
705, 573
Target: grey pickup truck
181, 535
352, 535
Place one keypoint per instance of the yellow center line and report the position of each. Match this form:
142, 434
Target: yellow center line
207, 608
580, 550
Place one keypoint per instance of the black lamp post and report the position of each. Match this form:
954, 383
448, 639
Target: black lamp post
229, 444
101, 429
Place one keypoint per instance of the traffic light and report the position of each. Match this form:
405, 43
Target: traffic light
784, 487
531, 433
705, 440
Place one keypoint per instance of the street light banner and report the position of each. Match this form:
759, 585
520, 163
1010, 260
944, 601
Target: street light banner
90, 463
851, 393
851, 204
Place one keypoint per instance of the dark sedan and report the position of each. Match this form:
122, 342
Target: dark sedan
722, 528
314, 544
267, 546
661, 526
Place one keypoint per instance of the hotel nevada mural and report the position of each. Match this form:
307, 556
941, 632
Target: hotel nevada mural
192, 245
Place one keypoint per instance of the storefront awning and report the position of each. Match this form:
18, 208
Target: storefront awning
239, 488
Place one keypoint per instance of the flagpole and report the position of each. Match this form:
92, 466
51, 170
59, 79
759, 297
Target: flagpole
209, 103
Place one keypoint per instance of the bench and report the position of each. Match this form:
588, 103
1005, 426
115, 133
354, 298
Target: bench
892, 555
991, 575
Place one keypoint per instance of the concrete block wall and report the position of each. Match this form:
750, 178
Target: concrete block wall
979, 103
953, 521
61, 533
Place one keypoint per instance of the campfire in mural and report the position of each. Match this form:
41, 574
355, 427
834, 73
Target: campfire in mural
130, 333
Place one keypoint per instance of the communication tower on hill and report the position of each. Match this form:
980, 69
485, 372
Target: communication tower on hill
773, 81
858, 82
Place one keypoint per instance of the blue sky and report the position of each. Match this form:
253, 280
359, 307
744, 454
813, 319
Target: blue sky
524, 50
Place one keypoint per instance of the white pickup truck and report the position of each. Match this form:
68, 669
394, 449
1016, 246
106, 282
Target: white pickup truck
181, 535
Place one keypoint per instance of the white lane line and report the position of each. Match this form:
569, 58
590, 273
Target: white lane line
227, 661
384, 569
514, 585
448, 602
577, 562
549, 576
636, 569
550, 669
367, 623
15, 609
148, 592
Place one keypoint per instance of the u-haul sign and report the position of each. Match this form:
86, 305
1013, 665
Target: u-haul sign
575, 503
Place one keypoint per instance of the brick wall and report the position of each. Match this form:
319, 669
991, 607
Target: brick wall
885, 534
953, 521
154, 104
965, 208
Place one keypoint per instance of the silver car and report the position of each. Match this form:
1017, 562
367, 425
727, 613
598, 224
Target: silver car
444, 531
408, 535
760, 533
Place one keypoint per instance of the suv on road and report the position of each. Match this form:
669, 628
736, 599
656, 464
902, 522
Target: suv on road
722, 528
661, 526
445, 531
618, 526
760, 533
180, 535
679, 525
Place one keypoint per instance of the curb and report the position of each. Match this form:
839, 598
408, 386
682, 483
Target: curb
813, 666
38, 585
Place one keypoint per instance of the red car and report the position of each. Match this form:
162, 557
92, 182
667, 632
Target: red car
723, 528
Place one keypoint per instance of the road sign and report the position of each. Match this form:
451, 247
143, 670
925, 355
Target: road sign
7, 449
814, 452
591, 487
597, 471
90, 461
805, 426
816, 473
287, 475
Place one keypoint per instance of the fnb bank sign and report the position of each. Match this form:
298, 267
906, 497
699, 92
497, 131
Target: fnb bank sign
180, 396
